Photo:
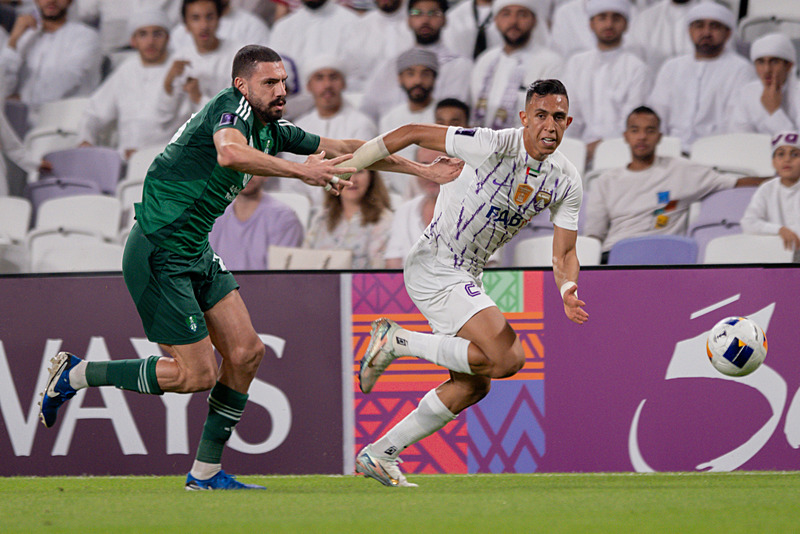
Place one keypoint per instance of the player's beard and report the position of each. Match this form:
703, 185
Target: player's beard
268, 113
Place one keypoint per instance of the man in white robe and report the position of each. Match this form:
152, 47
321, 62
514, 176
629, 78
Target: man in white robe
236, 25
468, 19
691, 92
426, 18
319, 27
128, 99
770, 104
200, 70
605, 83
333, 116
50, 59
382, 33
502, 74
416, 72
659, 31
111, 17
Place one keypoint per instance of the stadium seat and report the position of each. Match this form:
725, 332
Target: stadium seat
768, 16
17, 115
82, 256
575, 151
43, 190
140, 161
299, 203
15, 217
748, 154
654, 250
291, 258
719, 214
65, 113
97, 163
40, 242
40, 141
538, 251
97, 214
747, 248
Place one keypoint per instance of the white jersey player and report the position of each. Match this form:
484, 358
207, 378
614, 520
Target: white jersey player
510, 176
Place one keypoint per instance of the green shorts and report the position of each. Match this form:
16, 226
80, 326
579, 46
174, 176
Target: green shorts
172, 292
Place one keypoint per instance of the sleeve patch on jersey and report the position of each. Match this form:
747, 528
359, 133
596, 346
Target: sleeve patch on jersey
466, 131
228, 119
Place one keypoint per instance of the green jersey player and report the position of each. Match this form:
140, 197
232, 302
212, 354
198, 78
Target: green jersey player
188, 301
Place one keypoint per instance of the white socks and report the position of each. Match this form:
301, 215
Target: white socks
77, 376
429, 416
447, 351
204, 471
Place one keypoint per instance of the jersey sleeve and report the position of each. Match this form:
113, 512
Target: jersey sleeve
292, 139
230, 113
564, 213
473, 145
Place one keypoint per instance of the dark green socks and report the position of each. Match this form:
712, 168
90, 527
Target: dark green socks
225, 407
133, 375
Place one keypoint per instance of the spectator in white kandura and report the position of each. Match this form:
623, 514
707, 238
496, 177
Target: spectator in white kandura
607, 81
12, 148
112, 18
382, 33
501, 75
127, 101
319, 26
426, 18
570, 29
659, 31
238, 26
775, 206
200, 70
333, 116
417, 74
50, 58
772, 103
691, 92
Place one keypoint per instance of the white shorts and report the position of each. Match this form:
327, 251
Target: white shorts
446, 296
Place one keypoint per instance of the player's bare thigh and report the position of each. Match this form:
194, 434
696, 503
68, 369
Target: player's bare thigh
496, 350
232, 333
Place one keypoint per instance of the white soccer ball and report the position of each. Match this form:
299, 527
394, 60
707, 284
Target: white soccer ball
736, 346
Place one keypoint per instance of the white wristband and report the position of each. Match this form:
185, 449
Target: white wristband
367, 154
566, 286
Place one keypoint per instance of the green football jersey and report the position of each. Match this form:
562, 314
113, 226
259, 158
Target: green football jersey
185, 189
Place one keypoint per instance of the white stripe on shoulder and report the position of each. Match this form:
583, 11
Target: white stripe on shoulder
284, 122
242, 103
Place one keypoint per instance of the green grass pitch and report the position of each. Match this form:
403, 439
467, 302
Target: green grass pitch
697, 502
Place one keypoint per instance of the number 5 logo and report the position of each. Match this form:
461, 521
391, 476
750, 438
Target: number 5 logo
686, 363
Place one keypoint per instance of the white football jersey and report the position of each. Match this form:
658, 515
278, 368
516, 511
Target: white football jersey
500, 189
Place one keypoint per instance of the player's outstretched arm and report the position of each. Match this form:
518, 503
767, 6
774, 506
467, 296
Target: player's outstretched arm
376, 153
565, 271
233, 152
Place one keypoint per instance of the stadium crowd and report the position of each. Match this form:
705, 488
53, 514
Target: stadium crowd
675, 103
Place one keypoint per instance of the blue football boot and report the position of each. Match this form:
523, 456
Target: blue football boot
58, 389
220, 481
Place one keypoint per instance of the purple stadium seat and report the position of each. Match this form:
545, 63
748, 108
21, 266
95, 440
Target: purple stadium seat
17, 115
43, 190
654, 250
101, 165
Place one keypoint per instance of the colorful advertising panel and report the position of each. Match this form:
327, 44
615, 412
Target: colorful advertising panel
293, 422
